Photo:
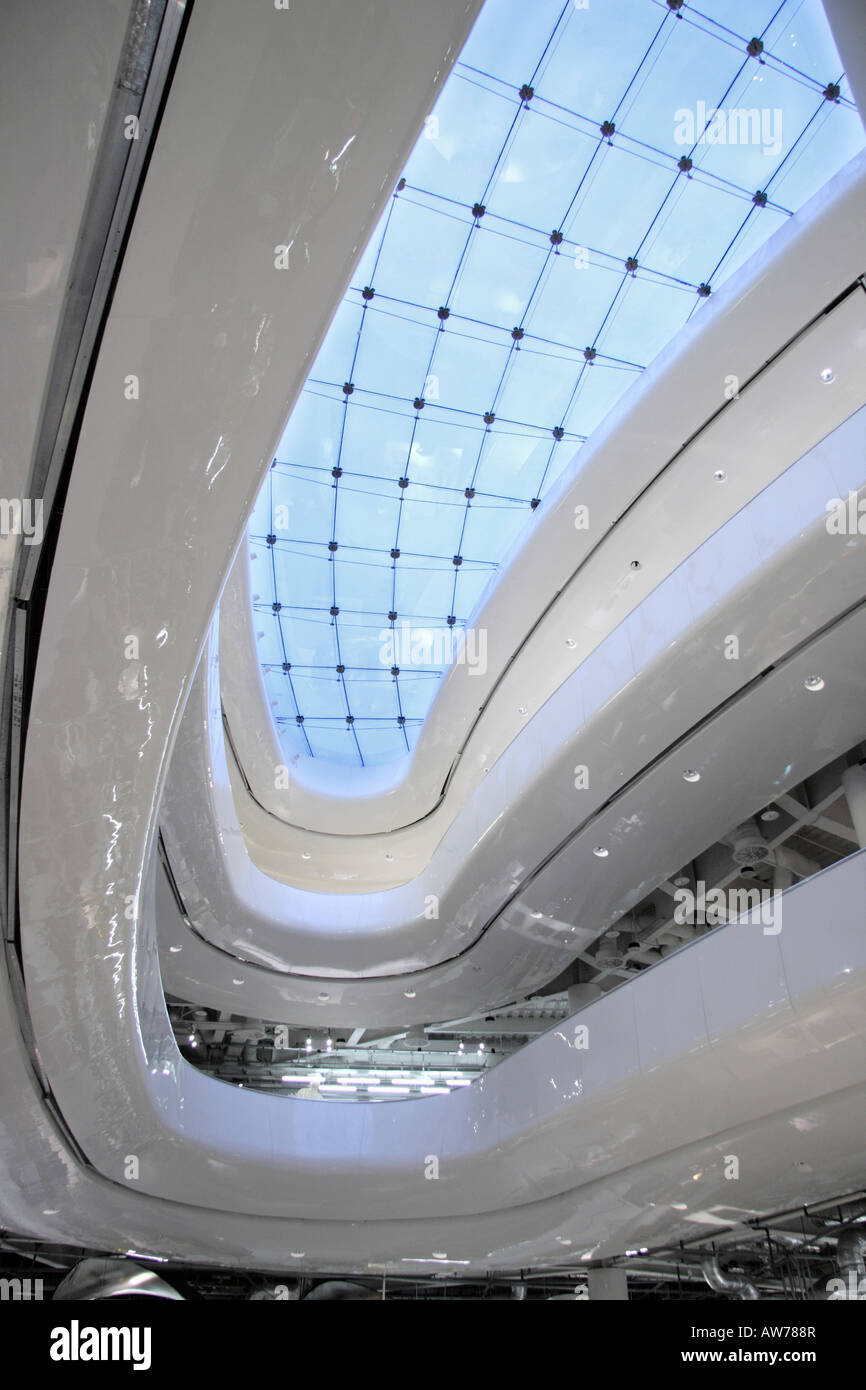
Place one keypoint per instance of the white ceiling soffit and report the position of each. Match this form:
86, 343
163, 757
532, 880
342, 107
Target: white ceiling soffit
790, 280
152, 514
509, 1144
499, 935
40, 217
381, 460
793, 1150
515, 744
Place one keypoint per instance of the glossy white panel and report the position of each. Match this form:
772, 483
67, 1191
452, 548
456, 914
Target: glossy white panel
156, 502
53, 100
748, 752
783, 287
625, 1110
771, 605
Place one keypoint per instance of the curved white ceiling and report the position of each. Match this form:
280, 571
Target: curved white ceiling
595, 1149
813, 259
476, 347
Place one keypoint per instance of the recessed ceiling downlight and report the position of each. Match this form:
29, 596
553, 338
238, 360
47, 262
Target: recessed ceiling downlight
828, 375
690, 775
600, 852
814, 682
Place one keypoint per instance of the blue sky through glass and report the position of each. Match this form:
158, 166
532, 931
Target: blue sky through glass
570, 202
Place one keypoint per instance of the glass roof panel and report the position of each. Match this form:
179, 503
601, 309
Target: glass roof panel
496, 279
393, 364
466, 370
462, 139
406, 270
584, 173
423, 588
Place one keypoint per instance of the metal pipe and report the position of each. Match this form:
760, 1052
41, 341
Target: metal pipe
736, 1284
108, 1278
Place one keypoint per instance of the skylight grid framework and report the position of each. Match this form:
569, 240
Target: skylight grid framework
557, 223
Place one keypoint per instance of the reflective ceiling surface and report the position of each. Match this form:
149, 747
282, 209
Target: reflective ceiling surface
572, 201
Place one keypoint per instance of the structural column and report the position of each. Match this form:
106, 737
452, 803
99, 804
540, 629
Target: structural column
854, 783
608, 1284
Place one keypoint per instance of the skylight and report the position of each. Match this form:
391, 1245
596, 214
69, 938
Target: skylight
591, 173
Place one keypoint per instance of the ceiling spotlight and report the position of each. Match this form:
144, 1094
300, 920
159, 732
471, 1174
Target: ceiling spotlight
769, 814
681, 881
521, 709
409, 993
600, 852
691, 776
570, 642
828, 375
174, 949
238, 980
814, 682
306, 854
720, 475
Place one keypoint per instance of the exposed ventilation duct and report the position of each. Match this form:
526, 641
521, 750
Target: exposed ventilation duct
736, 1284
97, 1279
749, 849
340, 1288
